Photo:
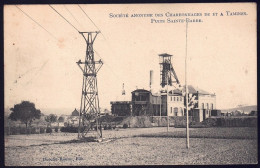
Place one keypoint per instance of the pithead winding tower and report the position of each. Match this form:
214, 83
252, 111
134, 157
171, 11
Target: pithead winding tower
167, 72
89, 107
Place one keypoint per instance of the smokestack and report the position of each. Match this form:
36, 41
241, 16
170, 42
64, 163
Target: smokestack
151, 80
123, 89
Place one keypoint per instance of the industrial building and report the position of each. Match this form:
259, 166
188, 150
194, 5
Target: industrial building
169, 101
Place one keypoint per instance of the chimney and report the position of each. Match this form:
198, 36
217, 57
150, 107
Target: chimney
151, 80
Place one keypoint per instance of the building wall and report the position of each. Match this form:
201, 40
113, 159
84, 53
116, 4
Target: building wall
206, 103
197, 115
207, 99
175, 105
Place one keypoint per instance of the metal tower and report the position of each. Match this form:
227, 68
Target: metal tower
89, 107
167, 73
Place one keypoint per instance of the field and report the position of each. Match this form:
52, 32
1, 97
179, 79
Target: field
136, 146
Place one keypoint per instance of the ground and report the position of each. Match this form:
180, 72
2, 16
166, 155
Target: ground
135, 146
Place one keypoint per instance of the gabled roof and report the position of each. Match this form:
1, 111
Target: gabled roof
75, 113
194, 90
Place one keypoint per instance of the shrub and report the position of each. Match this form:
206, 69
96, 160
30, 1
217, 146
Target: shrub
105, 127
48, 130
125, 126
70, 129
210, 122
110, 127
33, 130
15, 131
42, 130
23, 130
56, 129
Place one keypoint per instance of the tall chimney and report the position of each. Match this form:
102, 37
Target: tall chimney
151, 80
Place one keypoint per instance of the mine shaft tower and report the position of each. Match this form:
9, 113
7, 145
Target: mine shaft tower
167, 73
89, 107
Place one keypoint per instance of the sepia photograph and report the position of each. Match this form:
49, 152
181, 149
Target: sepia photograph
130, 84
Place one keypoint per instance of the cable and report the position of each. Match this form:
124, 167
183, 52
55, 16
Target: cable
92, 21
108, 66
72, 16
36, 22
64, 18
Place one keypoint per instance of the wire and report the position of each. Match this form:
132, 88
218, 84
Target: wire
92, 21
108, 66
72, 16
36, 22
64, 18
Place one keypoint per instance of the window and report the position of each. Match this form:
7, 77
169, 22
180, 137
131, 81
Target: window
202, 105
143, 97
177, 98
176, 111
171, 110
212, 106
173, 98
180, 98
207, 105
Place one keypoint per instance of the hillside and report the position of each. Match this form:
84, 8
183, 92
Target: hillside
243, 108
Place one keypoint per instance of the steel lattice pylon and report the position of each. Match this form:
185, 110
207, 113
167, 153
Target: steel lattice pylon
89, 107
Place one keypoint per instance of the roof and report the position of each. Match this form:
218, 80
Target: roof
141, 90
176, 91
165, 55
120, 102
193, 90
75, 113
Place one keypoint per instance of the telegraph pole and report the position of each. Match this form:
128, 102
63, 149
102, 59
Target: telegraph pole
167, 106
186, 94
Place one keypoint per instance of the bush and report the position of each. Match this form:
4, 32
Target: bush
42, 130
56, 129
23, 130
33, 130
48, 130
70, 129
125, 126
105, 127
210, 122
63, 129
15, 131
109, 127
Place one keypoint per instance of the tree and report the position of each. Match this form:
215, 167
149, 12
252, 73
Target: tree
51, 118
25, 112
61, 119
192, 102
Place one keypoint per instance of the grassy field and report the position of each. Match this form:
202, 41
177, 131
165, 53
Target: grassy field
213, 133
140, 146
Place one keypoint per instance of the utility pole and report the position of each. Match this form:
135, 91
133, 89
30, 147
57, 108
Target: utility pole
186, 94
89, 107
167, 106
161, 107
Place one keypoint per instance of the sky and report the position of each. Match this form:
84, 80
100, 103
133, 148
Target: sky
40, 64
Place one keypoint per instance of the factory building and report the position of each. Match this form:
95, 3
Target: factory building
144, 102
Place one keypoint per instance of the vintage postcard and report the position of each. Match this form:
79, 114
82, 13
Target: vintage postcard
130, 84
